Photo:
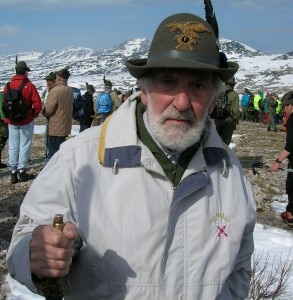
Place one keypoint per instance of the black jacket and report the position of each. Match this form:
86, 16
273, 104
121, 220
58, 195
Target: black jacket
88, 108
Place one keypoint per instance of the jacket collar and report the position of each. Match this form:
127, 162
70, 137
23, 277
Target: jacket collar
125, 150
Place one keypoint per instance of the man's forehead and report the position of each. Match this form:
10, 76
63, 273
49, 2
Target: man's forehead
180, 72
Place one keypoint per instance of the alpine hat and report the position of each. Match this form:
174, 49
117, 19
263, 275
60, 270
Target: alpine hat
184, 41
22, 65
63, 73
231, 81
107, 83
51, 76
90, 87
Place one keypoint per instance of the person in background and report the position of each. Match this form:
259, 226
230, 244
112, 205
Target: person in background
107, 101
265, 105
21, 133
279, 112
250, 110
245, 99
114, 97
256, 114
126, 95
287, 153
87, 117
184, 230
261, 103
3, 133
119, 94
50, 80
227, 123
58, 111
272, 112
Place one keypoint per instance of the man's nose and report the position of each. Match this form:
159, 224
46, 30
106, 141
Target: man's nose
182, 101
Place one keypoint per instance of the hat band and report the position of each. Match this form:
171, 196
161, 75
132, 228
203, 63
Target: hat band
182, 54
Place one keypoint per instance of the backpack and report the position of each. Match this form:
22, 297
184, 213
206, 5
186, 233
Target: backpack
245, 100
261, 104
78, 102
104, 103
221, 109
13, 106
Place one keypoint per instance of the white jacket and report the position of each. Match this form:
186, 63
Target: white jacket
143, 238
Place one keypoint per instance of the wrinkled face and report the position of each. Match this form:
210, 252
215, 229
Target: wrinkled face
178, 102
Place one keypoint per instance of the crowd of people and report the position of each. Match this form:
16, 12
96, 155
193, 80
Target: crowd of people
56, 105
265, 108
155, 205
229, 108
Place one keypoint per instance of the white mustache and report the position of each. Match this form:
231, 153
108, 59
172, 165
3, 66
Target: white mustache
173, 113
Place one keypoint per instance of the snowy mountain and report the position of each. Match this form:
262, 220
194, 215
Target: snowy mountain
258, 70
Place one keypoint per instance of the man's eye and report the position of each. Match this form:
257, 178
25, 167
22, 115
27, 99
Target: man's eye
198, 85
167, 81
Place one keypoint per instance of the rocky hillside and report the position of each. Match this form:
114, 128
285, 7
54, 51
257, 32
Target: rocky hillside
257, 149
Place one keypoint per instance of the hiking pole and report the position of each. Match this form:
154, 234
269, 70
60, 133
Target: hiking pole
266, 167
53, 288
257, 165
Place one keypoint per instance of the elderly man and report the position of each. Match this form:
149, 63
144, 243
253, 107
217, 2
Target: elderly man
155, 206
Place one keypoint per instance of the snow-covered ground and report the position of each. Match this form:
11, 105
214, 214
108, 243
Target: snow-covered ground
270, 242
41, 129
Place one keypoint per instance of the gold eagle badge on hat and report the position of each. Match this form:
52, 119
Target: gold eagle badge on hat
189, 36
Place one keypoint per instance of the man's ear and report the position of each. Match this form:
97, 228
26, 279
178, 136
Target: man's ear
212, 105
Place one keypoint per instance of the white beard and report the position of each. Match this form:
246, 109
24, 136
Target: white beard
177, 138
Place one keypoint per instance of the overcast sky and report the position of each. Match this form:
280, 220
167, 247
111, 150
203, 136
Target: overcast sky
42, 25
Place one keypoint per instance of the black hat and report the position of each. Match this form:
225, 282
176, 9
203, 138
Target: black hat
22, 65
64, 73
51, 76
231, 81
287, 98
184, 41
90, 87
107, 83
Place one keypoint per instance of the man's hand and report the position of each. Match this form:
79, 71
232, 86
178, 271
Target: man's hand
51, 250
275, 166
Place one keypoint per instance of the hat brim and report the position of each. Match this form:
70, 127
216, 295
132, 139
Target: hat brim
26, 69
138, 67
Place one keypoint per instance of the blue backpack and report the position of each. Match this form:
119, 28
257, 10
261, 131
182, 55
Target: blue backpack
245, 100
104, 103
78, 102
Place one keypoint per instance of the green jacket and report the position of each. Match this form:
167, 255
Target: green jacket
233, 101
272, 106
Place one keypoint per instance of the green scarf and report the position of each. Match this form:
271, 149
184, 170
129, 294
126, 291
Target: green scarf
173, 171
